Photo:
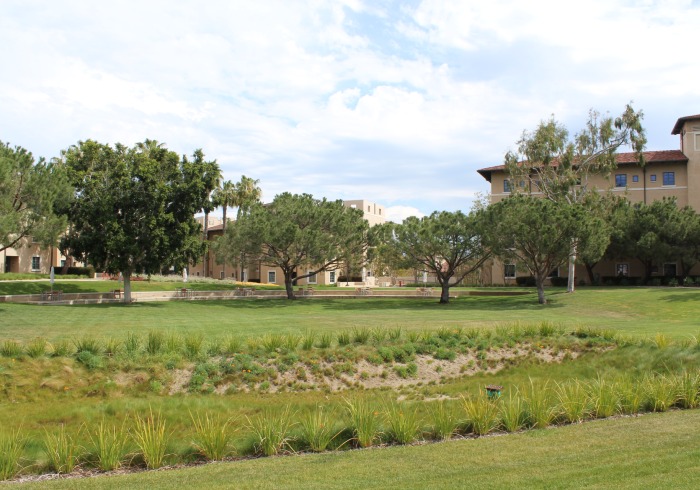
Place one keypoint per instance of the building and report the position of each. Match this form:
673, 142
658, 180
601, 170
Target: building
374, 214
667, 173
29, 257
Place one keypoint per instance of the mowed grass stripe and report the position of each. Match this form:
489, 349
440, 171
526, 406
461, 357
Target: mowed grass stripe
650, 451
632, 311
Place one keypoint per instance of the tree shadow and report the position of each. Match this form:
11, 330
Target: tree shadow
683, 297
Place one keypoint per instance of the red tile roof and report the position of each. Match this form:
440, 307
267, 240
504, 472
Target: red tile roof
622, 159
681, 120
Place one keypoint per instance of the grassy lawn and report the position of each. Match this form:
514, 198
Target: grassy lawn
652, 451
632, 311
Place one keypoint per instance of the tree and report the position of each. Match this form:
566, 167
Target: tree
548, 162
225, 196
536, 233
211, 179
298, 231
30, 194
449, 244
134, 208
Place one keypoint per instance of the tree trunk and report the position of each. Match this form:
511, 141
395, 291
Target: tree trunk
589, 270
445, 294
571, 284
205, 257
540, 291
289, 286
223, 230
127, 286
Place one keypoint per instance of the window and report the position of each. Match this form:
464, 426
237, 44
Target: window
331, 277
506, 185
622, 270
635, 178
36, 263
63, 262
380, 211
369, 208
652, 178
696, 137
669, 178
311, 279
221, 275
271, 277
621, 180
509, 271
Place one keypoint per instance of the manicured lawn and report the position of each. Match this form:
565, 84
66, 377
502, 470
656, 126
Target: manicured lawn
632, 311
651, 451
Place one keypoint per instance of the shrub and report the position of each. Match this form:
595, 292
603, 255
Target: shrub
151, 437
109, 446
559, 282
212, 438
525, 281
444, 354
271, 431
89, 360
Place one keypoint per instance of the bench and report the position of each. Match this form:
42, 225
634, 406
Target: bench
363, 291
117, 293
186, 293
424, 291
307, 291
52, 295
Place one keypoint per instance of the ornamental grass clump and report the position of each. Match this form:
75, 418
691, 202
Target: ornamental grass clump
542, 408
272, 342
325, 340
687, 386
87, 344
36, 347
573, 400
361, 335
132, 343
61, 348
632, 396
232, 345
212, 437
193, 346
660, 392
151, 438
155, 341
109, 445
308, 340
512, 412
291, 341
61, 450
10, 348
482, 414
395, 333
317, 430
364, 420
343, 338
402, 423
444, 420
605, 400
271, 431
11, 448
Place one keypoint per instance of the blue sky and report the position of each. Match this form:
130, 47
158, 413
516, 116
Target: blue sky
395, 102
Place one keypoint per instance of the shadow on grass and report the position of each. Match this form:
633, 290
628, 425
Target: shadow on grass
683, 297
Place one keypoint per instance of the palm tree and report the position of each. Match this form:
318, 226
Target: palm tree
225, 196
247, 194
211, 179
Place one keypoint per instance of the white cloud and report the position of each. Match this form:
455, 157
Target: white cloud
399, 213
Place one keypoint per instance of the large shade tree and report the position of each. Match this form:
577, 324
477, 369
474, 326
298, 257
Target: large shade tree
451, 245
31, 193
535, 233
549, 163
296, 232
134, 208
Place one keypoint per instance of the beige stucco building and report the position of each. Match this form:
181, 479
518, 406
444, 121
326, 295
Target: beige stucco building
29, 257
667, 173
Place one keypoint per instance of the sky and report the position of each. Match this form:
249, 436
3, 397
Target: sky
394, 102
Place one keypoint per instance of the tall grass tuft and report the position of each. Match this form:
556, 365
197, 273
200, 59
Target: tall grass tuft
325, 341
87, 344
444, 421
212, 437
378, 334
155, 341
364, 420
193, 345
11, 449
661, 341
151, 437
605, 400
687, 389
547, 329
317, 429
402, 423
482, 414
232, 345
10, 348
61, 348
271, 431
173, 343
309, 339
541, 407
573, 400
513, 412
109, 445
395, 333
272, 342
112, 347
660, 391
361, 335
36, 347
291, 341
61, 450
631, 394
132, 343
343, 338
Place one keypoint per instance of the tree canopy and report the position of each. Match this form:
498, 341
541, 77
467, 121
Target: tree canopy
297, 231
549, 163
134, 207
30, 194
448, 244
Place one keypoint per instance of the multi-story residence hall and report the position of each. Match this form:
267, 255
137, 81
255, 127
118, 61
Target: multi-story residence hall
667, 173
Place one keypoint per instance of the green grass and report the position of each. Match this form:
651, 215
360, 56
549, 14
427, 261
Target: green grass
631, 311
653, 451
